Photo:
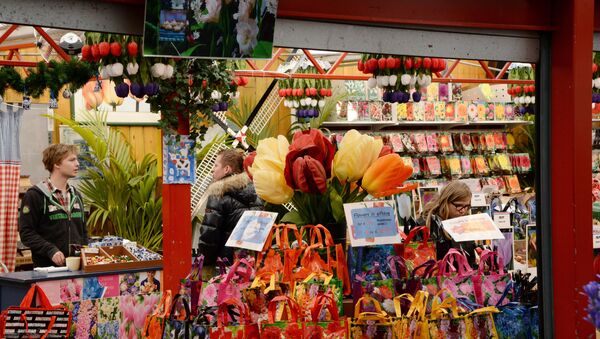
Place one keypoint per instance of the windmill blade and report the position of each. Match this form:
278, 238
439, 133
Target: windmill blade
204, 175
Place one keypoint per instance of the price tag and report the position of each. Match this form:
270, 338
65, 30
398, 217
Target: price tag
502, 219
596, 235
479, 200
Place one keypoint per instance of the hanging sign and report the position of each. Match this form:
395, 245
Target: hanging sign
252, 230
472, 227
372, 223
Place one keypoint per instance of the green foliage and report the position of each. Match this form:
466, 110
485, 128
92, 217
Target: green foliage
238, 114
120, 191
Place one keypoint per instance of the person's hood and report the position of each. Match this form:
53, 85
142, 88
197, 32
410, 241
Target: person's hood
229, 184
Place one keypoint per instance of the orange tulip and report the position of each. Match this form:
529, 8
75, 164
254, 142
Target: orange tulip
386, 176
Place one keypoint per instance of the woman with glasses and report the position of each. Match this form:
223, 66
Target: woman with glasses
453, 201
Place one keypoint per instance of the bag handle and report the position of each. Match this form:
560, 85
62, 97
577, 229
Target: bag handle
324, 300
165, 304
419, 305
368, 298
320, 275
235, 269
223, 314
281, 234
258, 281
222, 263
48, 329
430, 267
447, 262
186, 306
416, 230
448, 303
398, 300
487, 257
289, 302
394, 260
318, 234
29, 298
509, 286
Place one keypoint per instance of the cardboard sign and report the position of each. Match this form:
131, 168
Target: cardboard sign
479, 200
472, 227
252, 230
502, 219
372, 223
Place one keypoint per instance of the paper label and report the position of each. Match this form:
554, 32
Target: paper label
479, 200
502, 219
372, 223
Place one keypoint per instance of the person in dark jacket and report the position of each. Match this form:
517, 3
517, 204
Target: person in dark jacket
226, 199
453, 201
52, 216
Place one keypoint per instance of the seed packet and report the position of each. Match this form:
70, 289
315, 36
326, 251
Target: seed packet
410, 111
461, 111
510, 141
472, 112
475, 141
499, 141
444, 92
342, 110
482, 142
465, 140
450, 113
397, 144
401, 112
363, 110
352, 110
433, 92
408, 145
509, 112
386, 111
489, 142
512, 184
376, 110
416, 167
456, 91
504, 162
481, 111
419, 110
419, 142
439, 108
480, 166
429, 111
500, 112
490, 112
445, 142
465, 166
525, 162
432, 142
457, 142
454, 166
433, 165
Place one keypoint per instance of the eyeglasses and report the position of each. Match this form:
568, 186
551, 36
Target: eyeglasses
461, 208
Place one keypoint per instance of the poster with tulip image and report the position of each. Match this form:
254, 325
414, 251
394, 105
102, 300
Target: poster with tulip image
372, 223
210, 28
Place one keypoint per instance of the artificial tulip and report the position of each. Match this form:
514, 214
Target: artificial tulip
310, 143
385, 150
309, 175
248, 161
386, 176
355, 154
267, 171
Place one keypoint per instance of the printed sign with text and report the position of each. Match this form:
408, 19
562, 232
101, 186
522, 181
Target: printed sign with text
372, 223
252, 230
472, 227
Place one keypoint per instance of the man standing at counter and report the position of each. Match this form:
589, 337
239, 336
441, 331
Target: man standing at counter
52, 215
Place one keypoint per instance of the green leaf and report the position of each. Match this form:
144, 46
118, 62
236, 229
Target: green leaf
190, 51
337, 205
293, 217
263, 50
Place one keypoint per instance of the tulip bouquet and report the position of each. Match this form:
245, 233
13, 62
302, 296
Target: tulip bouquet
317, 180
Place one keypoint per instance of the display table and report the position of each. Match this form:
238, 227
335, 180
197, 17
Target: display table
104, 304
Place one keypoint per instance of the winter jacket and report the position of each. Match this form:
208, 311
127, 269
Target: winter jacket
227, 199
46, 227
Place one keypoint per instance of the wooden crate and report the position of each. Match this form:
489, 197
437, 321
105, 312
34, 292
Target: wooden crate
109, 251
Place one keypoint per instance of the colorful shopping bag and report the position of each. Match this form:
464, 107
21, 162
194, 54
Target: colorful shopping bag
178, 324
227, 285
490, 285
276, 326
456, 275
43, 320
283, 248
228, 327
370, 321
362, 260
154, 326
264, 288
307, 290
417, 253
413, 323
444, 319
192, 284
322, 326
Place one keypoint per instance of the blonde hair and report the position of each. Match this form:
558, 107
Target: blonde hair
56, 153
454, 191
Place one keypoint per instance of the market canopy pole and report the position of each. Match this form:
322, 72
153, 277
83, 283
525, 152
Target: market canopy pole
177, 232
570, 170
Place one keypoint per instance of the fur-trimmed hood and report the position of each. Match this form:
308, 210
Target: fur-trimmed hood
232, 183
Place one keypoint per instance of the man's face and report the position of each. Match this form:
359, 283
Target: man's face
68, 167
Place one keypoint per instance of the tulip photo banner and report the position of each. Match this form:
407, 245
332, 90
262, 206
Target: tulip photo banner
252, 230
472, 227
210, 28
179, 161
372, 223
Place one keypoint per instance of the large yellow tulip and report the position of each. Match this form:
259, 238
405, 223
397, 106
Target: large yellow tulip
356, 153
386, 176
267, 171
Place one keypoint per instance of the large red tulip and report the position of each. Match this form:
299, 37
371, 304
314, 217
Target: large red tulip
311, 143
309, 175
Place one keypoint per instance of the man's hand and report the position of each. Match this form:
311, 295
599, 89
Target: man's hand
58, 258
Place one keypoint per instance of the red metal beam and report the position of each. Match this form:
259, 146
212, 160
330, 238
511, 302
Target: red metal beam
273, 59
251, 64
17, 46
52, 43
8, 32
486, 69
451, 69
438, 74
313, 61
337, 63
10, 55
16, 63
570, 167
503, 70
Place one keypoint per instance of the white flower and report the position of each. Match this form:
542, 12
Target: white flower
388, 306
302, 102
132, 68
533, 100
405, 79
393, 79
404, 206
107, 70
246, 36
413, 80
597, 82
379, 81
168, 73
321, 103
103, 72
296, 104
385, 81
157, 70
215, 95
117, 69
372, 82
427, 80
527, 100
214, 9
313, 102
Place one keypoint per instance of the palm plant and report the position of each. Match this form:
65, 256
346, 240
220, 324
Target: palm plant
121, 191
238, 114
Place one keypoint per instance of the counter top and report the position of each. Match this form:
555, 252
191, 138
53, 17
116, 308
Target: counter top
28, 277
